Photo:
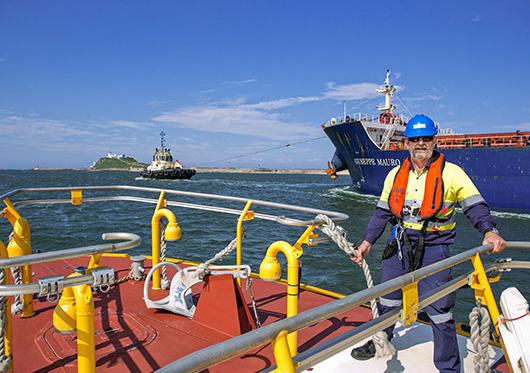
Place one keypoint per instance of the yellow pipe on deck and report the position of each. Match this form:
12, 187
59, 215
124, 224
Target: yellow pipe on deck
270, 270
239, 234
172, 233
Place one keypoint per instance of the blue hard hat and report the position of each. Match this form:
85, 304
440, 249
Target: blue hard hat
420, 125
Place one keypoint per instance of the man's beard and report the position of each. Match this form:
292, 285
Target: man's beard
420, 154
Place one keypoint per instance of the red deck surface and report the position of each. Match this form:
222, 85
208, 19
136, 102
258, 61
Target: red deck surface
129, 337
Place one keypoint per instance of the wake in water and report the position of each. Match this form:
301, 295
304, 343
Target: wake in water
347, 191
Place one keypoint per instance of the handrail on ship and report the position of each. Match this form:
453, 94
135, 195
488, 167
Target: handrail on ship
236, 346
131, 241
335, 216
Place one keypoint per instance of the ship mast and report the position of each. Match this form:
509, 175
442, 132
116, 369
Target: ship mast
388, 90
162, 139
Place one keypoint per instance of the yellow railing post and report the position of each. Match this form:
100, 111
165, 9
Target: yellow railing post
173, 233
245, 215
409, 313
8, 346
479, 282
19, 245
282, 355
86, 349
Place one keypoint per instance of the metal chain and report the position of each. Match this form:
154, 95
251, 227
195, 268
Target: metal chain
480, 335
5, 361
17, 306
383, 346
163, 251
250, 290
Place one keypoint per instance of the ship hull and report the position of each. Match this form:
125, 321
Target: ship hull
502, 175
172, 174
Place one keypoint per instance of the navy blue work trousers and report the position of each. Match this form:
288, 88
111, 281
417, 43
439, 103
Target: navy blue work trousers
446, 357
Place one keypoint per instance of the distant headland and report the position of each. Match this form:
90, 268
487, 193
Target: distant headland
117, 162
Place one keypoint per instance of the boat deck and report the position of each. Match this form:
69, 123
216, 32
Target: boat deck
131, 337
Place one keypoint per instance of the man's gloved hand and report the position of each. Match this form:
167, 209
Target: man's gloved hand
363, 250
492, 238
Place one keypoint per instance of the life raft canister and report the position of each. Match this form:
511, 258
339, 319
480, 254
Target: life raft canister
434, 190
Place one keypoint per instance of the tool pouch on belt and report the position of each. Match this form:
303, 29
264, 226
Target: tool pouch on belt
389, 249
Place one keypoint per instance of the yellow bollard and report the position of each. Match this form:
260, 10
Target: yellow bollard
64, 314
8, 344
173, 233
284, 362
270, 270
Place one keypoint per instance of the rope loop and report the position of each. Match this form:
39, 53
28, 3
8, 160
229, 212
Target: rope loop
480, 321
383, 346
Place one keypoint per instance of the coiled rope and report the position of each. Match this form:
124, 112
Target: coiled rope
383, 347
480, 335
163, 250
17, 306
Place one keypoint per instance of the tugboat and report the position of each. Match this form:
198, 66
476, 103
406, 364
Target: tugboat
163, 166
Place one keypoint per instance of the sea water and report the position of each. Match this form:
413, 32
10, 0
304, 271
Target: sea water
61, 226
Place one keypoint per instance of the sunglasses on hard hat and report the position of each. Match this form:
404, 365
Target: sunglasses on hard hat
422, 138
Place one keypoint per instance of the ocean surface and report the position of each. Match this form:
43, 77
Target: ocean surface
61, 226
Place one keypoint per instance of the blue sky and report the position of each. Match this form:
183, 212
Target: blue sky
224, 78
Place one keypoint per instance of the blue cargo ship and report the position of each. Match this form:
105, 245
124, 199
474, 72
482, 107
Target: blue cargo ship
370, 146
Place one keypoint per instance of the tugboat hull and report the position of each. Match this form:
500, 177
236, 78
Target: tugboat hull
173, 174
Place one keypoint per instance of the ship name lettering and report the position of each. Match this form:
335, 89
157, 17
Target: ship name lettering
365, 161
388, 162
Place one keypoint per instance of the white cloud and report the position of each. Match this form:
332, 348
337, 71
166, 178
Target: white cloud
157, 103
238, 120
475, 18
240, 82
128, 124
350, 92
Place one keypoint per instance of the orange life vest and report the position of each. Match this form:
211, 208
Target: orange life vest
434, 190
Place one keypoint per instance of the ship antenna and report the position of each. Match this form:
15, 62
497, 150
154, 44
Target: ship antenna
388, 90
162, 136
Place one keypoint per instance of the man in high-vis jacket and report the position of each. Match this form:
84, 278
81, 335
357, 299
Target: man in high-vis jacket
419, 199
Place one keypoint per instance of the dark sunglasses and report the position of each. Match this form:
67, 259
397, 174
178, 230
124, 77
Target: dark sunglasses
422, 138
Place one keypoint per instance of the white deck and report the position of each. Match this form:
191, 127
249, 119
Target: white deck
414, 354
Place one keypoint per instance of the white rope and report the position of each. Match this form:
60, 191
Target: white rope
5, 361
383, 347
17, 305
203, 267
480, 335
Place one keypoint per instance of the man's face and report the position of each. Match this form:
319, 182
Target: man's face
420, 148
